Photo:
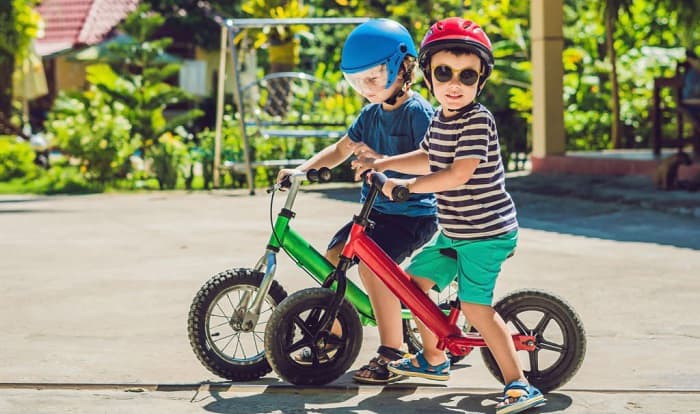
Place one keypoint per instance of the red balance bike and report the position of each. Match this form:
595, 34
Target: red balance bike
547, 332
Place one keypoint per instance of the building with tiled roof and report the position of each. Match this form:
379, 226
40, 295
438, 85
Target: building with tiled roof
70, 25
75, 23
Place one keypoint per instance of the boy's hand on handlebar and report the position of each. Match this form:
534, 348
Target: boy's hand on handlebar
361, 165
391, 183
360, 149
366, 158
284, 173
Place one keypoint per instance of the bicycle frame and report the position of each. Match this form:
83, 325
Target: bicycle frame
306, 257
360, 246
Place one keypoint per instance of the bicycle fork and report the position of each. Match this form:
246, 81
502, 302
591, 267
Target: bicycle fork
246, 315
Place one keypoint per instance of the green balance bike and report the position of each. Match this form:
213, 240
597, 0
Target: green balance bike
228, 316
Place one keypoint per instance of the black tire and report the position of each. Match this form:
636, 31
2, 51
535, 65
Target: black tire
559, 335
410, 330
294, 326
224, 348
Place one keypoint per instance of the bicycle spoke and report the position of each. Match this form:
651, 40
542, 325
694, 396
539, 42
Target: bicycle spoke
223, 312
542, 324
260, 338
219, 325
534, 362
520, 325
226, 337
551, 346
228, 297
315, 315
295, 346
229, 343
239, 344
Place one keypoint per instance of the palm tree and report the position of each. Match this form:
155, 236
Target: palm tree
611, 10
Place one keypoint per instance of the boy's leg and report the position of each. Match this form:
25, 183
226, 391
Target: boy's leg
398, 236
431, 362
427, 269
387, 313
431, 353
386, 306
497, 337
333, 254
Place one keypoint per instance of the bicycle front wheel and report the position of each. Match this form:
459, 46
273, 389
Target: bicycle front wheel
217, 334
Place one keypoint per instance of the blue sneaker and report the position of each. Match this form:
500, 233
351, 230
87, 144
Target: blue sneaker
519, 396
405, 367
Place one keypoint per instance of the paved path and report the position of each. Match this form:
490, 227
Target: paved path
95, 292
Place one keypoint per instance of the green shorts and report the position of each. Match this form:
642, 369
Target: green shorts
477, 265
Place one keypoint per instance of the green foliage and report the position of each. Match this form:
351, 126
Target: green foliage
95, 131
131, 93
192, 18
18, 26
202, 150
276, 9
644, 34
169, 157
16, 159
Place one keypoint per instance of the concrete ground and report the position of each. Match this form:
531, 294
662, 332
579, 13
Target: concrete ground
95, 293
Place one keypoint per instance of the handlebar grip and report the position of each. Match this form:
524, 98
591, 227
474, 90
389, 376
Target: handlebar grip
286, 182
400, 193
322, 175
377, 179
312, 175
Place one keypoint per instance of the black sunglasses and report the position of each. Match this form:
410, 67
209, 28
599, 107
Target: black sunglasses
444, 73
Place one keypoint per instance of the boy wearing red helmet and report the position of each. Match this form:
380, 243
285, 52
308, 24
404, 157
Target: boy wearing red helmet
460, 162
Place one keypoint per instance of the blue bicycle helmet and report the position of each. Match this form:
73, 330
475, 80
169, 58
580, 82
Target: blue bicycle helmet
374, 43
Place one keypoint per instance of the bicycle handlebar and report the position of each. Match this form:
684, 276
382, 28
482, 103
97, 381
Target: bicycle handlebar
321, 175
398, 193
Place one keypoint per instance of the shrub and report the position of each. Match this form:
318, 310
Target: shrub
16, 159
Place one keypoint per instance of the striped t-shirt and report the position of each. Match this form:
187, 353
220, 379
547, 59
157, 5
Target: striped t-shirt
481, 207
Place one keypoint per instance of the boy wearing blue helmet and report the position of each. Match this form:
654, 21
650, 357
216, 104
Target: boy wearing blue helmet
378, 60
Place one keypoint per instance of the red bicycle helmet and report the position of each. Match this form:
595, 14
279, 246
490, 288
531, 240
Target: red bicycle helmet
456, 32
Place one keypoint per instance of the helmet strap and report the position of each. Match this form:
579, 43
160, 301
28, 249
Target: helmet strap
401, 91
464, 108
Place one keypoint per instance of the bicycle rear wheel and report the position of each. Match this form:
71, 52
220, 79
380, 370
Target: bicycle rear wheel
560, 339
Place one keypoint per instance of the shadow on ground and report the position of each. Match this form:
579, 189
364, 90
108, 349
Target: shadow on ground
399, 399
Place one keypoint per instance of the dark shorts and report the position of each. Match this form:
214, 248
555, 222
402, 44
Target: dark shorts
398, 235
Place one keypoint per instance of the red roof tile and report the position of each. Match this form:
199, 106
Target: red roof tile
68, 23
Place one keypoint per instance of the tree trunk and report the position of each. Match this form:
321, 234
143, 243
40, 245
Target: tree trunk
7, 66
7, 61
615, 131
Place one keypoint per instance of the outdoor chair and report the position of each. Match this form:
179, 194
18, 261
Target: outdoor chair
685, 91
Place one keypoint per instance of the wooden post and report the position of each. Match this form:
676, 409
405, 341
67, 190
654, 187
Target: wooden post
220, 106
546, 20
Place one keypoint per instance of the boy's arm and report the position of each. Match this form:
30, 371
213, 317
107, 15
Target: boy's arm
451, 177
414, 162
331, 156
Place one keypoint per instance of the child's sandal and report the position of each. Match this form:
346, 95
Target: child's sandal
405, 367
377, 367
519, 396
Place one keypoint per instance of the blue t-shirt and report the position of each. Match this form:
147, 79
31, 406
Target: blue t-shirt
392, 133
